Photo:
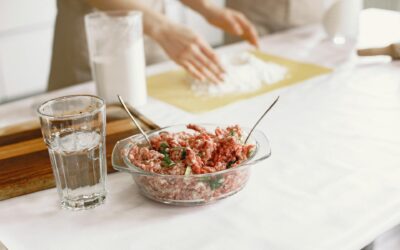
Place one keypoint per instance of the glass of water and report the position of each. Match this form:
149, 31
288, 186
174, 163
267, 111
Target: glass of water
73, 128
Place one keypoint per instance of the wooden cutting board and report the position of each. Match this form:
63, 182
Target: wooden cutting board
24, 160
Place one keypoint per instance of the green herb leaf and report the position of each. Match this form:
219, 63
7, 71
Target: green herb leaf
232, 133
167, 162
163, 148
229, 165
184, 153
251, 152
216, 182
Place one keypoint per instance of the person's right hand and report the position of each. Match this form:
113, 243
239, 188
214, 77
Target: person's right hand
231, 21
191, 52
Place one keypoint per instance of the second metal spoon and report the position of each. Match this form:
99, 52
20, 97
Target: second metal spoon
259, 120
134, 120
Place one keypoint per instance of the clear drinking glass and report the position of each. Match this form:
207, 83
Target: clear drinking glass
73, 128
115, 41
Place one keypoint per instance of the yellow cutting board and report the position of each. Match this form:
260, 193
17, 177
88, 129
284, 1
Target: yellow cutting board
173, 87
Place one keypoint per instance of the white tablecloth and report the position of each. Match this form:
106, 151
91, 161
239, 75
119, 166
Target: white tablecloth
332, 181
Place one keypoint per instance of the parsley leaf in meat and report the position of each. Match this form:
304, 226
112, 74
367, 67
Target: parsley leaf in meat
163, 148
250, 154
229, 165
184, 153
214, 182
167, 162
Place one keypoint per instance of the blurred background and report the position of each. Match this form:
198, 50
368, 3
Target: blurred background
26, 34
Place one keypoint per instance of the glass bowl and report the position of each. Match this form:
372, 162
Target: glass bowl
196, 189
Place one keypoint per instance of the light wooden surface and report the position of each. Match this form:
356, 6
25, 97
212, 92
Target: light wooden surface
392, 50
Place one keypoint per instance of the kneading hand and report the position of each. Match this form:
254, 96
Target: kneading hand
191, 52
232, 22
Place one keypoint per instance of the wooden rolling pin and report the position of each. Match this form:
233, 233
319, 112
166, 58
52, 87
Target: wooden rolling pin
392, 50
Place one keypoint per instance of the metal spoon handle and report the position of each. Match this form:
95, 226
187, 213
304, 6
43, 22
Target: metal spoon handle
259, 120
134, 120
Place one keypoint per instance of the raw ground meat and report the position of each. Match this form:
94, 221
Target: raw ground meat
189, 163
201, 151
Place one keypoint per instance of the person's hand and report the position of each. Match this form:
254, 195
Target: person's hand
232, 22
190, 51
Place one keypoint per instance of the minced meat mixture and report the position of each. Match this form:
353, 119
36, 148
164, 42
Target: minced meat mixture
196, 152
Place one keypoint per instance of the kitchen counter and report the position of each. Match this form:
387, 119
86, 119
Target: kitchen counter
331, 183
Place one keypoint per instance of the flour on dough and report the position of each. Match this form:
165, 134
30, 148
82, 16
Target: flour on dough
244, 73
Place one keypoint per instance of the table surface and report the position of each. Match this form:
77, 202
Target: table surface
331, 183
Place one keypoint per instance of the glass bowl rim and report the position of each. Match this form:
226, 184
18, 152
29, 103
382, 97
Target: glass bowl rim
137, 170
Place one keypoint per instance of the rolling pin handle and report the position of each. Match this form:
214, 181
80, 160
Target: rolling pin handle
375, 51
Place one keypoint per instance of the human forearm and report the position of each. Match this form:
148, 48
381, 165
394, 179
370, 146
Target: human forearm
229, 20
153, 22
203, 7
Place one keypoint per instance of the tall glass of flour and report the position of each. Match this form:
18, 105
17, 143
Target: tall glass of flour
115, 41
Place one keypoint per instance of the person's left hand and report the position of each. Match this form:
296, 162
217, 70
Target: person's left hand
232, 22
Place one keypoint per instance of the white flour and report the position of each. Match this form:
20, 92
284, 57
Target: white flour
122, 73
244, 73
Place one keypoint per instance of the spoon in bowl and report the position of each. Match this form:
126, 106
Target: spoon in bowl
134, 120
259, 120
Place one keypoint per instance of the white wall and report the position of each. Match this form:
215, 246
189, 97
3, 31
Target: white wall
26, 32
